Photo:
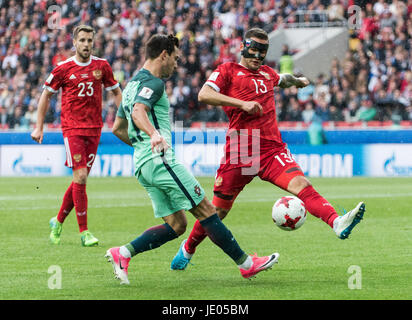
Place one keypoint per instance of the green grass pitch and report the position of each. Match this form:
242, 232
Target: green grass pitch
374, 263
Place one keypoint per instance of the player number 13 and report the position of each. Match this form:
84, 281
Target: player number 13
261, 86
89, 90
287, 157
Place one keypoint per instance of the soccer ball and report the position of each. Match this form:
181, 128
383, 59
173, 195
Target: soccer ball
289, 213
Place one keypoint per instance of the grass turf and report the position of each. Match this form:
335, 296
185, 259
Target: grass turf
313, 264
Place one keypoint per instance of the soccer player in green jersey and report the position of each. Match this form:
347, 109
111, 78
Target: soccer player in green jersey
142, 121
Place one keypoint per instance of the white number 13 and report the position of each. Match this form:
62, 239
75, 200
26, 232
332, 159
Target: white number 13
262, 87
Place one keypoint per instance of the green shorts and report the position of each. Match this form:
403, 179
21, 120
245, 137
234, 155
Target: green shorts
170, 186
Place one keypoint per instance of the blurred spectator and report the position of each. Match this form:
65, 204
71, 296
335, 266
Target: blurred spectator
207, 114
16, 119
10, 60
322, 110
31, 114
286, 60
321, 88
308, 112
335, 10
350, 112
306, 93
3, 118
366, 112
335, 114
294, 112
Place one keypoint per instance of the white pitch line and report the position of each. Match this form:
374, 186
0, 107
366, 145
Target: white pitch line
241, 198
137, 196
148, 203
345, 196
117, 205
110, 196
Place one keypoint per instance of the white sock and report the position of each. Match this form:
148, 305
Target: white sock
125, 252
186, 254
247, 264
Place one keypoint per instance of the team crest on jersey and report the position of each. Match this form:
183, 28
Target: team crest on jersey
77, 157
97, 74
198, 191
266, 75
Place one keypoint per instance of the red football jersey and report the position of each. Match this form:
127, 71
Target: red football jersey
81, 85
234, 80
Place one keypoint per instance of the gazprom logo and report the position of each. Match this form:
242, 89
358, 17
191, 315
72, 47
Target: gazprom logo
392, 169
21, 168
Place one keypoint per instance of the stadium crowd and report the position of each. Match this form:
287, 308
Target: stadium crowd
373, 82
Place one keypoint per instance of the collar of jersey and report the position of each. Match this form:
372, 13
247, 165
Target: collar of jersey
257, 71
82, 64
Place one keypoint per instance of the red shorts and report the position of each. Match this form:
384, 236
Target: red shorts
274, 164
81, 151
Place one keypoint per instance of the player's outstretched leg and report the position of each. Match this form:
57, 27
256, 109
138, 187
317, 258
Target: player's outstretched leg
55, 230
189, 245
259, 264
220, 235
182, 258
120, 264
343, 225
150, 239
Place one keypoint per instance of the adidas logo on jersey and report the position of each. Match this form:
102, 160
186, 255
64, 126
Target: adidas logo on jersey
72, 77
240, 73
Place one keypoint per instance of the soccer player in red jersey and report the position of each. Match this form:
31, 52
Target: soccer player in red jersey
81, 78
254, 146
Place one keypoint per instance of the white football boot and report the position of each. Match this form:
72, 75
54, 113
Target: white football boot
343, 225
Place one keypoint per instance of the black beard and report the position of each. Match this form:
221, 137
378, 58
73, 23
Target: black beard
84, 56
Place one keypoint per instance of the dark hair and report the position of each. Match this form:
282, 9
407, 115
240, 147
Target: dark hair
159, 42
256, 33
82, 28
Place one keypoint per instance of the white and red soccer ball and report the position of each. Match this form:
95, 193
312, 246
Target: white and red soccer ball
289, 213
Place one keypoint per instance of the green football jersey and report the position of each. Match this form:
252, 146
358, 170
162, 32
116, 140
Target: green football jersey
149, 90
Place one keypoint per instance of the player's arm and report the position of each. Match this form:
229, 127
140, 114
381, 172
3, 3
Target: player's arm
288, 80
44, 103
117, 92
210, 96
120, 128
141, 120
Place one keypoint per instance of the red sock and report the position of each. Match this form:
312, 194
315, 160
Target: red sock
80, 204
196, 236
317, 205
67, 204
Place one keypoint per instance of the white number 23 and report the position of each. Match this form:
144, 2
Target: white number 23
89, 90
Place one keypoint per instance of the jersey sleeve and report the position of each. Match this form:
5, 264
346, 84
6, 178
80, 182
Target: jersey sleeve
219, 79
55, 80
109, 81
149, 92
276, 77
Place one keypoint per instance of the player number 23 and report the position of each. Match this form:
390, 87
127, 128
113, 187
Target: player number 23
261, 86
89, 90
